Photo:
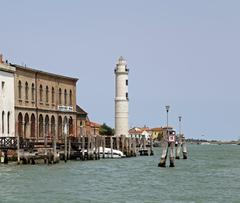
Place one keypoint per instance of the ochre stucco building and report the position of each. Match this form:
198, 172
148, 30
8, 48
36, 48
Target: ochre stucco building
44, 103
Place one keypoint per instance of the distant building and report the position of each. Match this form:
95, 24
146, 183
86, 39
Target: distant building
7, 118
84, 125
160, 132
140, 133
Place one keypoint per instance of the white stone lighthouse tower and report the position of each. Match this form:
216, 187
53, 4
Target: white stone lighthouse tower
121, 98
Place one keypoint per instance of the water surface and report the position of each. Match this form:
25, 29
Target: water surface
211, 174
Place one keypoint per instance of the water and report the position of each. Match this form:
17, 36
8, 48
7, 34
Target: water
211, 174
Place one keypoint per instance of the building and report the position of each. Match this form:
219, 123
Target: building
140, 133
121, 98
7, 118
44, 104
159, 132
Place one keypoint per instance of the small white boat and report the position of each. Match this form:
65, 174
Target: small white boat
108, 153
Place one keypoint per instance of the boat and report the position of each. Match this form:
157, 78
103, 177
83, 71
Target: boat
108, 153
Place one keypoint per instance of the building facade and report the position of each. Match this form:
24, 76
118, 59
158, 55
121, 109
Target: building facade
45, 104
7, 118
121, 98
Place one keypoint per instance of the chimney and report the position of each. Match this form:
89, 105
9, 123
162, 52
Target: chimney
1, 59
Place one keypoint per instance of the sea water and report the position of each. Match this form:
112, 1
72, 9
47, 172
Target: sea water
210, 174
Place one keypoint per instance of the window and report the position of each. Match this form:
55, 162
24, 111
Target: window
19, 89
127, 95
65, 97
8, 123
32, 92
3, 122
126, 82
70, 97
47, 94
52, 95
60, 96
26, 91
40, 93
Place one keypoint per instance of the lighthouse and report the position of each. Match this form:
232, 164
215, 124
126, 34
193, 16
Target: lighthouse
121, 97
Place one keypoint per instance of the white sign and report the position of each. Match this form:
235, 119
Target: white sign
65, 108
171, 138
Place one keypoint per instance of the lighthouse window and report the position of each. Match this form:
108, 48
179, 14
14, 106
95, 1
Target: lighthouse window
126, 82
127, 95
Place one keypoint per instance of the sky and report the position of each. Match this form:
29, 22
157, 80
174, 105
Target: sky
180, 53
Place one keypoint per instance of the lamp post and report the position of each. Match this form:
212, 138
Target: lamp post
180, 124
167, 110
179, 144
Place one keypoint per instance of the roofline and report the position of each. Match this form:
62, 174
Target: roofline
43, 72
7, 68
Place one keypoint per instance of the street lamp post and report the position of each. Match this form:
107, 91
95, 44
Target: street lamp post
179, 145
167, 110
180, 124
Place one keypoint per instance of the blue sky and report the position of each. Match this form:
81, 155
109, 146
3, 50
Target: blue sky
180, 53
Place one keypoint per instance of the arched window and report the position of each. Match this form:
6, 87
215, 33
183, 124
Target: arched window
70, 125
26, 91
3, 120
70, 97
19, 89
52, 95
32, 92
47, 94
60, 96
40, 93
8, 122
65, 97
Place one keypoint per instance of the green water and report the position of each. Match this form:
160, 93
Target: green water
211, 174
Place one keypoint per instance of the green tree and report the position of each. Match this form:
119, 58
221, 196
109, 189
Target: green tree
106, 130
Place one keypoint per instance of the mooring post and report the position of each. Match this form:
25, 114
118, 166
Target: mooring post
103, 147
69, 148
134, 147
117, 141
122, 139
111, 145
184, 148
172, 154
98, 146
54, 149
18, 150
162, 162
65, 148
151, 146
130, 146
95, 147
179, 145
83, 147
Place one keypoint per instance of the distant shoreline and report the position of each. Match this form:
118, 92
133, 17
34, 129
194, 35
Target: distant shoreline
192, 141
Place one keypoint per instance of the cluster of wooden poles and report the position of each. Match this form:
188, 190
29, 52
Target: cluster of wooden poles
82, 148
168, 145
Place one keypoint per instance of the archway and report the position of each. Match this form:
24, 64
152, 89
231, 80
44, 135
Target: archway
47, 126
70, 126
60, 127
41, 126
26, 126
19, 124
52, 126
32, 125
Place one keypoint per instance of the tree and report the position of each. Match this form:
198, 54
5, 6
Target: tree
106, 130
